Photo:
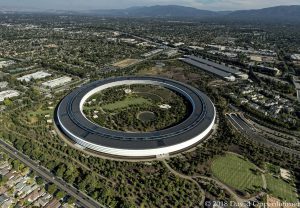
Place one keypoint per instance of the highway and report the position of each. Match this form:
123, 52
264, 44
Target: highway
241, 125
83, 199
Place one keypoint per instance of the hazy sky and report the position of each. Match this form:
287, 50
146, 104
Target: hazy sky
110, 4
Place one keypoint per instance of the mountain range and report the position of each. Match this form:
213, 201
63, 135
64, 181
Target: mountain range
272, 14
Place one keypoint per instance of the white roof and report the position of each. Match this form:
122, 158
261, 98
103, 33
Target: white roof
8, 94
57, 82
36, 75
3, 84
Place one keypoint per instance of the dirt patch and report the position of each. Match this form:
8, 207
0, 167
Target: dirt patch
126, 63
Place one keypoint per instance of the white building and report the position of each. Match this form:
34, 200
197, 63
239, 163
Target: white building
296, 57
8, 94
171, 52
3, 85
57, 82
230, 78
196, 48
36, 75
128, 40
6, 63
179, 44
255, 58
152, 53
218, 47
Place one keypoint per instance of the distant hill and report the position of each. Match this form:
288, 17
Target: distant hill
158, 11
272, 14
279, 14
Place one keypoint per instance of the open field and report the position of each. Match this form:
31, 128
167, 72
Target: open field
33, 116
125, 111
281, 189
39, 112
237, 173
126, 63
125, 103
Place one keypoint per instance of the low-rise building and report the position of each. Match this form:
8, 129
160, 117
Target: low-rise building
244, 100
34, 76
54, 203
42, 201
255, 58
8, 203
6, 63
171, 52
178, 44
3, 165
269, 70
20, 185
27, 190
33, 196
8, 94
3, 85
218, 47
3, 198
14, 181
57, 82
152, 53
3, 190
4, 171
295, 57
10, 175
128, 40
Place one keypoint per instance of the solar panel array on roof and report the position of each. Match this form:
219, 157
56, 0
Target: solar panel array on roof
207, 68
213, 64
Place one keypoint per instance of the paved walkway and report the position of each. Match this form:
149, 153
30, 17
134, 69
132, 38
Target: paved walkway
241, 202
190, 178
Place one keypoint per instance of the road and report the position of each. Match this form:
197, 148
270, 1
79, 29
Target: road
296, 82
241, 125
83, 199
275, 79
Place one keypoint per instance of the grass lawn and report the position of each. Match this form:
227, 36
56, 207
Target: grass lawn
281, 189
39, 112
236, 172
125, 103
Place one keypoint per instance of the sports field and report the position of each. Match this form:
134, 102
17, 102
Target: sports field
281, 189
237, 173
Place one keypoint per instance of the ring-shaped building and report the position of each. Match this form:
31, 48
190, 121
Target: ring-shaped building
71, 121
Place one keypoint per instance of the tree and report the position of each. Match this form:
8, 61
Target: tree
7, 102
60, 195
31, 174
71, 200
3, 180
39, 181
16, 165
60, 170
52, 189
